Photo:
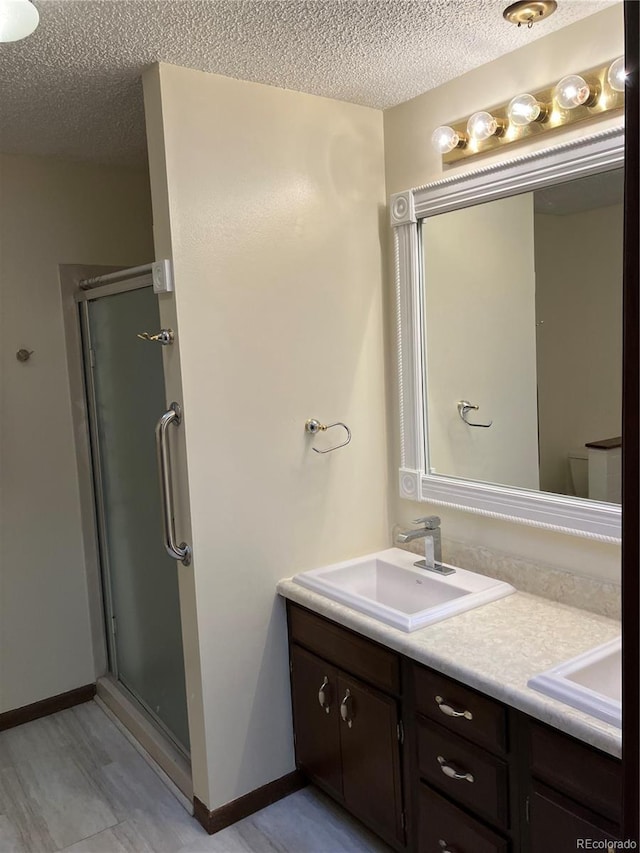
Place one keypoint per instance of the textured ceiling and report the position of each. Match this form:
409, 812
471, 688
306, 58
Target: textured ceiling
73, 88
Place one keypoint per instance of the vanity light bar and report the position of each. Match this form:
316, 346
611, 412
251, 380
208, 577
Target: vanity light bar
574, 98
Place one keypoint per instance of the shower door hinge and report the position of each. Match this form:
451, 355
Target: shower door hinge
92, 357
162, 276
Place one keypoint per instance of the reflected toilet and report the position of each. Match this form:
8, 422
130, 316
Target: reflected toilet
579, 473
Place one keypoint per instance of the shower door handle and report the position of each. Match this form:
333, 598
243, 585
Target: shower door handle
180, 552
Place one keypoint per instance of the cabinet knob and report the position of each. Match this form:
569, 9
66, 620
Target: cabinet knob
346, 711
444, 847
450, 711
323, 696
454, 772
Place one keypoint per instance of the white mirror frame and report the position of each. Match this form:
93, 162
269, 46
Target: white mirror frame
579, 517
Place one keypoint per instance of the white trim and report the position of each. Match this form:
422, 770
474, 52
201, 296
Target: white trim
410, 484
403, 208
591, 519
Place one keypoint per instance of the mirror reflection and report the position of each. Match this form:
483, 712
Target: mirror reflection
523, 328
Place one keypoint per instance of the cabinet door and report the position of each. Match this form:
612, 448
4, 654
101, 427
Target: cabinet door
371, 757
316, 717
559, 824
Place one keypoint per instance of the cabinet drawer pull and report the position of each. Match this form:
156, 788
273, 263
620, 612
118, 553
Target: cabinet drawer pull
450, 711
323, 696
445, 847
452, 772
345, 712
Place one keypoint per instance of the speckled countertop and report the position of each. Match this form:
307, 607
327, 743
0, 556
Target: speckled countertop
495, 648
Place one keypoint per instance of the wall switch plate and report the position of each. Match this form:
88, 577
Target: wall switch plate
162, 275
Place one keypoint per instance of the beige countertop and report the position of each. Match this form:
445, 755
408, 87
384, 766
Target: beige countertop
496, 649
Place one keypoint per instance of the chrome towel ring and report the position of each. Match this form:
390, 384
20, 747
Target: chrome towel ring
314, 426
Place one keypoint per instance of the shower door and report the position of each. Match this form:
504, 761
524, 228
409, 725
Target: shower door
125, 382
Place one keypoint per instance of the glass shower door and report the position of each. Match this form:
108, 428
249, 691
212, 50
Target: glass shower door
126, 383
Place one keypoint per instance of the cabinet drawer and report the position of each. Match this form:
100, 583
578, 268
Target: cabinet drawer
580, 772
481, 780
442, 827
354, 654
460, 709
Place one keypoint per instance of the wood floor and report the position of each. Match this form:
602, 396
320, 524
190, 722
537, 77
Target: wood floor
72, 782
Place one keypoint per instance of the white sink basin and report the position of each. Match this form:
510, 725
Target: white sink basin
386, 586
591, 682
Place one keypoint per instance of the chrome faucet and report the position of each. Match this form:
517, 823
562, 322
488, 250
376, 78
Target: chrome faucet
430, 530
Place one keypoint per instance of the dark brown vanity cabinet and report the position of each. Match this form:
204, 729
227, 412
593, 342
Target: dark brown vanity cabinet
556, 823
491, 779
314, 692
462, 776
347, 732
388, 737
574, 792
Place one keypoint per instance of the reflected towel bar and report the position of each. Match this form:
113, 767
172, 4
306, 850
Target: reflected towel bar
464, 407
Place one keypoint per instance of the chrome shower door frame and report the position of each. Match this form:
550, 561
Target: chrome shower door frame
139, 278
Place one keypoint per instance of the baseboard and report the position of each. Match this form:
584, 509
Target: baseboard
214, 821
9, 719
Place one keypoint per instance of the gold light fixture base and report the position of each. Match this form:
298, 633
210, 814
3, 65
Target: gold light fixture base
603, 102
529, 12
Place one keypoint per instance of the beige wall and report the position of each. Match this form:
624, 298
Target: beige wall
410, 161
481, 341
274, 222
51, 212
579, 300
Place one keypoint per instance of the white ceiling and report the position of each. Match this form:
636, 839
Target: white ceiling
72, 89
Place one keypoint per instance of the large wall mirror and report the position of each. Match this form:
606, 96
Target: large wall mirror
510, 338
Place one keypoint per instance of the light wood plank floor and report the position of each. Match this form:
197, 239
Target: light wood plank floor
72, 782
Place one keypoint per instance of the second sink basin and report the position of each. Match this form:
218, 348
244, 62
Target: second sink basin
387, 586
591, 682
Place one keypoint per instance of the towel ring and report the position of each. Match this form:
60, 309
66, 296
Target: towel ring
464, 407
314, 426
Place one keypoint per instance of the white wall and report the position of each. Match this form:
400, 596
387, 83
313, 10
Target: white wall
481, 341
579, 300
273, 219
410, 162
51, 212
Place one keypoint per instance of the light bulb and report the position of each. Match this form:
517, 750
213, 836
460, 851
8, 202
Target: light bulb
18, 19
482, 125
444, 139
524, 109
617, 75
574, 91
